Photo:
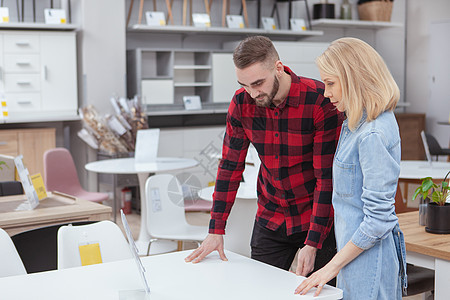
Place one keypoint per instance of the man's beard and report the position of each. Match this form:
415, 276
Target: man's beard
267, 99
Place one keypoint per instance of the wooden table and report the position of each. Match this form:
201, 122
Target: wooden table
427, 250
56, 209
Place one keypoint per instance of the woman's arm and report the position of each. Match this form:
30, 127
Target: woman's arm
330, 270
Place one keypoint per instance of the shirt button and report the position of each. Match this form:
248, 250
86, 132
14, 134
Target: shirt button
282, 196
278, 178
276, 134
276, 156
276, 113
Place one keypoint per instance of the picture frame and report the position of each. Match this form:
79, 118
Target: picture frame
155, 18
235, 21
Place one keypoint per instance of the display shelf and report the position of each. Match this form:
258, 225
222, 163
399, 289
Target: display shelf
221, 30
337, 23
193, 67
191, 84
37, 26
161, 110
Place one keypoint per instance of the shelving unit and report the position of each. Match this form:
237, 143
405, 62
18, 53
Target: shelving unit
37, 26
337, 23
191, 30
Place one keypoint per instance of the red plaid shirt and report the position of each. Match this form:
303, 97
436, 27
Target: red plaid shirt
296, 142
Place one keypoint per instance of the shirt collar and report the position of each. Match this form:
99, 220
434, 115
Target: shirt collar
293, 98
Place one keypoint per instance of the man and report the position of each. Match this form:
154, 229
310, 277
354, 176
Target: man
295, 131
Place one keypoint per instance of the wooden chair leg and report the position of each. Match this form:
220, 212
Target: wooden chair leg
180, 246
169, 11
141, 11
224, 11
184, 12
190, 12
129, 12
244, 6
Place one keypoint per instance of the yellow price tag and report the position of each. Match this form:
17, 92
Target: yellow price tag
162, 22
39, 186
5, 113
90, 254
5, 19
63, 21
241, 25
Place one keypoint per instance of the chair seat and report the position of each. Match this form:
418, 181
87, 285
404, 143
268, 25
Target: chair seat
420, 280
185, 233
197, 205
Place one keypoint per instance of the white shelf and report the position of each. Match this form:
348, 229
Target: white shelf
221, 30
336, 23
193, 67
37, 26
187, 112
191, 84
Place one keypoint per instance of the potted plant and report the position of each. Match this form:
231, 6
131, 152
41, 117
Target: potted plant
438, 210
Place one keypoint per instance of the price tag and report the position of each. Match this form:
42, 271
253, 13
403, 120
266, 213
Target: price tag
55, 16
39, 186
4, 15
90, 254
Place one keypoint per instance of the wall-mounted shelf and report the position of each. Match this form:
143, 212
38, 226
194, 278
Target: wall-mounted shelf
191, 30
337, 23
37, 26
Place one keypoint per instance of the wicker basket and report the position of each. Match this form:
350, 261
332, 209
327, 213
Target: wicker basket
375, 11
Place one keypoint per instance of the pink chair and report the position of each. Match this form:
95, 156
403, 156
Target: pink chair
61, 175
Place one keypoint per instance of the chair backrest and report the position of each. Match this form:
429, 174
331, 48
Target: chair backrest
433, 145
112, 243
8, 188
10, 262
37, 247
60, 173
165, 203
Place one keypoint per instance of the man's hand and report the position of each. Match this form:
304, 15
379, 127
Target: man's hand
305, 262
211, 243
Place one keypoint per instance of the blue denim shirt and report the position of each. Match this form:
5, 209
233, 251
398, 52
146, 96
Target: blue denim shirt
365, 175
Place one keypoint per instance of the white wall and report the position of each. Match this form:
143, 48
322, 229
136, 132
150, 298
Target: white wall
420, 15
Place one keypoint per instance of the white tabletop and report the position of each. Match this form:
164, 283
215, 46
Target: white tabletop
128, 165
245, 191
417, 169
169, 277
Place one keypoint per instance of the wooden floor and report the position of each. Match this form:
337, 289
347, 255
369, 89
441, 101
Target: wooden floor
201, 218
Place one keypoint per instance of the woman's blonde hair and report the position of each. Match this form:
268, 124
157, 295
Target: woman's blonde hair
366, 82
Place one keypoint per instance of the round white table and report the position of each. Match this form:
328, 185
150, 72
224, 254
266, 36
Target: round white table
241, 219
143, 170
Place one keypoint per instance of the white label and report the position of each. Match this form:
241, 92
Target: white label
235, 21
155, 18
156, 200
55, 16
4, 15
201, 20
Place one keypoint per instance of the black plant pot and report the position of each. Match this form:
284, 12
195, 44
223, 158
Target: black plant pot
438, 218
323, 10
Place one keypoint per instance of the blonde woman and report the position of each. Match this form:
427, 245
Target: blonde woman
366, 166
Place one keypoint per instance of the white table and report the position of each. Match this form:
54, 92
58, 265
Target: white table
411, 171
241, 219
143, 170
169, 277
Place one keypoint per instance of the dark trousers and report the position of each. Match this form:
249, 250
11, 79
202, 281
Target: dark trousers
278, 249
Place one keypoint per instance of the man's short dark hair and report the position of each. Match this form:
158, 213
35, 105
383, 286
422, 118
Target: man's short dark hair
253, 50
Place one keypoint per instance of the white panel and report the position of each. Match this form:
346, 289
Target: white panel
21, 43
22, 82
22, 63
224, 80
157, 91
24, 102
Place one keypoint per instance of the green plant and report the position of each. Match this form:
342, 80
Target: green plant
3, 163
439, 194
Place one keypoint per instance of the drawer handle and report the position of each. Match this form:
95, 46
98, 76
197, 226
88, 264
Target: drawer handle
22, 43
23, 82
23, 63
24, 102
3, 143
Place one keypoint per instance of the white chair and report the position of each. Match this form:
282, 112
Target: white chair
165, 211
10, 262
113, 245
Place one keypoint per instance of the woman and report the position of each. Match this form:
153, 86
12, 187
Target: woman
365, 173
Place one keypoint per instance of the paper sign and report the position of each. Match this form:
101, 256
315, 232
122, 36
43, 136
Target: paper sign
90, 254
4, 15
55, 16
146, 149
155, 18
201, 20
298, 24
235, 21
268, 23
39, 186
192, 102
30, 192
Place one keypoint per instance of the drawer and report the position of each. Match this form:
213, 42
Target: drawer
22, 83
8, 143
22, 63
21, 43
24, 102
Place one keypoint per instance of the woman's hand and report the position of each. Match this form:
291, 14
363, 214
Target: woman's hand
317, 279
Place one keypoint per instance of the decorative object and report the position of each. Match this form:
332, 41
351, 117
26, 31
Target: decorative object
346, 10
438, 210
375, 10
323, 10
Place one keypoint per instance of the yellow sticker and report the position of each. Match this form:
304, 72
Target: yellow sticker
303, 27
63, 21
90, 254
162, 22
241, 25
5, 19
274, 27
3, 103
5, 113
208, 24
39, 186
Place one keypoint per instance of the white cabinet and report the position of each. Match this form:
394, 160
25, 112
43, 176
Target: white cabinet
39, 73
